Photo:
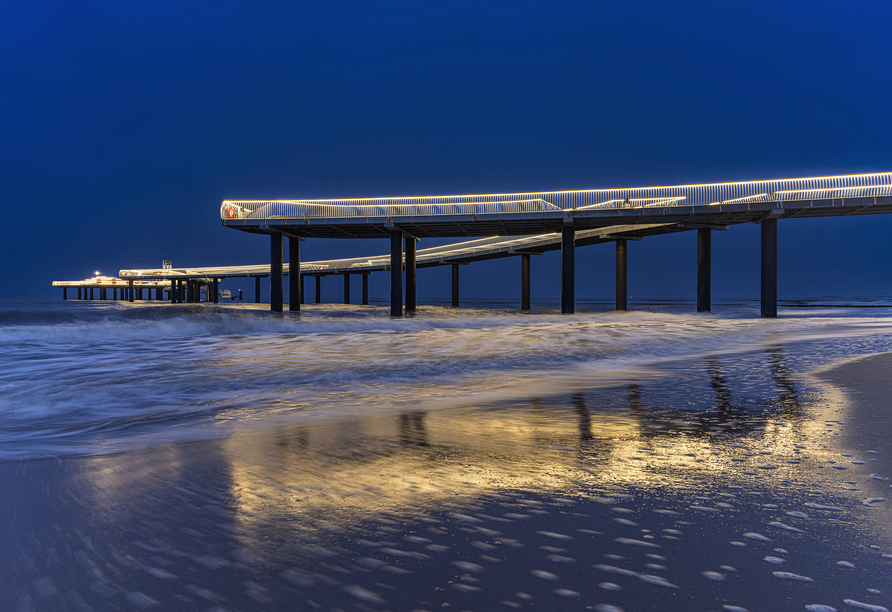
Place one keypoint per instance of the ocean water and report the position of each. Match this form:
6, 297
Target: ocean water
104, 377
200, 457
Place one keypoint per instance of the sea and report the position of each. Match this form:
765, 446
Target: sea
222, 457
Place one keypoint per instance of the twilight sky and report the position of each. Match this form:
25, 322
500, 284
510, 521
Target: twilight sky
124, 124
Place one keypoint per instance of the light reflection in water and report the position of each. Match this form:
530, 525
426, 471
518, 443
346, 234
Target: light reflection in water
536, 501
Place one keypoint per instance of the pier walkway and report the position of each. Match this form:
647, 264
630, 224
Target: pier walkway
704, 207
457, 254
515, 224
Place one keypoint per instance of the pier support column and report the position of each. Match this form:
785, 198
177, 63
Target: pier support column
455, 285
64, 293
295, 293
704, 270
396, 273
91, 294
769, 268
173, 291
214, 287
622, 285
256, 289
365, 289
103, 294
130, 291
159, 294
410, 274
318, 288
346, 288
525, 281
276, 276
568, 268
79, 294
303, 289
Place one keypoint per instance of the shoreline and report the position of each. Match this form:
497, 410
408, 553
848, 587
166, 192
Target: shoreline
866, 383
550, 498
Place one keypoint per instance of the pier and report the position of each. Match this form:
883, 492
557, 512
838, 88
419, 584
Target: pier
518, 225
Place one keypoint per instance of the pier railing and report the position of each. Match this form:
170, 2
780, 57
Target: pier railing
777, 190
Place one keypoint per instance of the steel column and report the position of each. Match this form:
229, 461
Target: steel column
704, 270
79, 294
622, 285
455, 285
396, 273
214, 286
769, 268
276, 272
91, 294
102, 294
303, 289
525, 281
159, 294
130, 290
64, 293
318, 288
173, 291
294, 276
568, 269
346, 288
410, 274
256, 289
365, 289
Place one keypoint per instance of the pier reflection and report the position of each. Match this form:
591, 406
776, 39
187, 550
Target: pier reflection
331, 514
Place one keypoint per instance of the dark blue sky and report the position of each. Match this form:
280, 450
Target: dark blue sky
123, 126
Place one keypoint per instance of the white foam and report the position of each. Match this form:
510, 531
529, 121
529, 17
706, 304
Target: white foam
864, 606
791, 576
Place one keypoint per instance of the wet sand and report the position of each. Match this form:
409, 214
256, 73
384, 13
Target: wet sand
604, 500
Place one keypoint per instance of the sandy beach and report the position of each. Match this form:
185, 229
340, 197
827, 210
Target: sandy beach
588, 501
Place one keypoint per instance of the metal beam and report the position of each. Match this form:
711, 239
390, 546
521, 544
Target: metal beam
410, 274
294, 275
276, 269
622, 298
704, 270
769, 268
396, 272
455, 285
568, 268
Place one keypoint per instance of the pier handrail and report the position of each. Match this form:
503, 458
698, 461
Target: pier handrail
779, 190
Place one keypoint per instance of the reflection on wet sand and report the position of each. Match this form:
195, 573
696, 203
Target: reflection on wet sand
600, 498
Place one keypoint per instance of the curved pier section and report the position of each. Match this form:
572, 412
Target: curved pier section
520, 224
565, 216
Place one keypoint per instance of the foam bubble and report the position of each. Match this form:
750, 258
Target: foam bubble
791, 576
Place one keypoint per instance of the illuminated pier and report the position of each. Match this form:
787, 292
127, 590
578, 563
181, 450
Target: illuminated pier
514, 224
704, 207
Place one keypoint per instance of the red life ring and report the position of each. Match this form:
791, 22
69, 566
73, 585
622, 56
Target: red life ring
230, 211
